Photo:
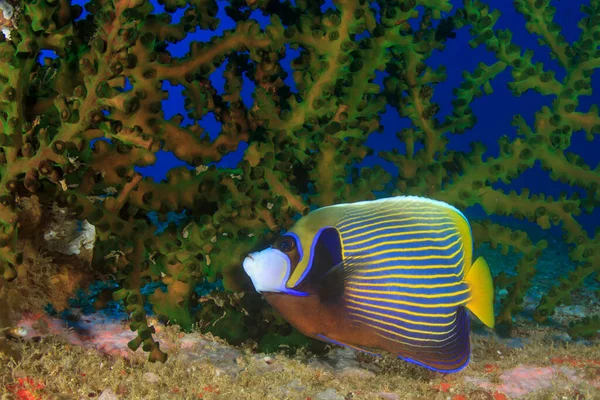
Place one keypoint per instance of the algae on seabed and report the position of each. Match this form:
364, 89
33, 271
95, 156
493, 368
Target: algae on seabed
54, 368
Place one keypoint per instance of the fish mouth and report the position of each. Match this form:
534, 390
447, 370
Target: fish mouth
250, 257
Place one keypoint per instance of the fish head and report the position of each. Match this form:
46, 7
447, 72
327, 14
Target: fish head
270, 269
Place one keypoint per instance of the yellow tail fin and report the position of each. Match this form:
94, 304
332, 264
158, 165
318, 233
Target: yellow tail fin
481, 304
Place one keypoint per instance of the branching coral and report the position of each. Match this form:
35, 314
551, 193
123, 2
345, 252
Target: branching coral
467, 179
74, 129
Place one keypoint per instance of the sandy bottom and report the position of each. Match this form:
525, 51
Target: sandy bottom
90, 359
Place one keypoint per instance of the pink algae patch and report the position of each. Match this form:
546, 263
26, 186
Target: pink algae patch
188, 342
574, 362
523, 380
92, 331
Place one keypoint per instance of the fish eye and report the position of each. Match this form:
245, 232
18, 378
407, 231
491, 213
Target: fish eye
286, 244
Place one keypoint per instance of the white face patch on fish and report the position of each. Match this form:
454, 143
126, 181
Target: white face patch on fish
269, 270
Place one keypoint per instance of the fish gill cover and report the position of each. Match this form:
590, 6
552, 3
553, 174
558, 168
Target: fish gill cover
293, 94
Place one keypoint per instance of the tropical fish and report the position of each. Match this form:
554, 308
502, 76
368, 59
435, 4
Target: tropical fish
393, 274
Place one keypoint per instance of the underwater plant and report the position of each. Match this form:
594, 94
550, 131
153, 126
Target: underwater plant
76, 129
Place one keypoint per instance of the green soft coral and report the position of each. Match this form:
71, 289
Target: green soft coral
552, 130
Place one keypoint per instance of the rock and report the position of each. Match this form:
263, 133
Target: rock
6, 9
329, 394
221, 357
388, 396
355, 372
67, 235
343, 362
514, 343
571, 311
6, 14
151, 377
340, 359
266, 364
290, 390
108, 394
562, 337
317, 363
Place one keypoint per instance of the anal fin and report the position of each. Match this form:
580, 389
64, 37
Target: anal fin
451, 355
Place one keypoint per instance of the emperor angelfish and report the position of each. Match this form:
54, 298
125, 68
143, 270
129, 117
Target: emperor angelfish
392, 274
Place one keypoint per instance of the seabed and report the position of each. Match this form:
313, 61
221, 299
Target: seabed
93, 361
89, 358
